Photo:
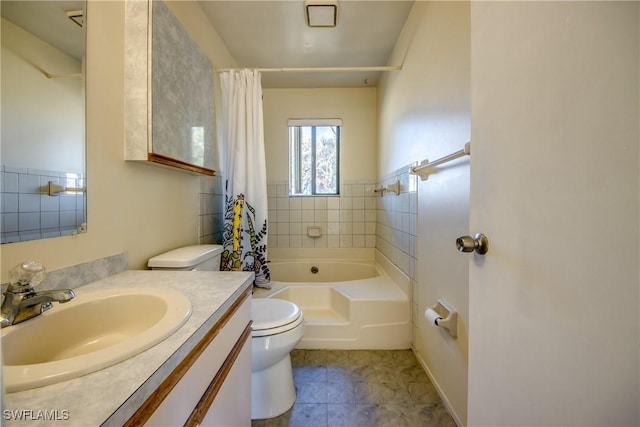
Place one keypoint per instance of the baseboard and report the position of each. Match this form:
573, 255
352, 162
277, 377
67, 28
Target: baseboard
446, 402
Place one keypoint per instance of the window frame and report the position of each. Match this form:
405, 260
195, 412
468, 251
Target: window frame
294, 145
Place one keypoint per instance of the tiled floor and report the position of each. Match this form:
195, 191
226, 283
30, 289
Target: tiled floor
353, 388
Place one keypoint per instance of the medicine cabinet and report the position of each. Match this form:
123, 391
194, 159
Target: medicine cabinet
169, 117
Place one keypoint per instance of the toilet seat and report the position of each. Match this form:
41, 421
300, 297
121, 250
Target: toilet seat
273, 316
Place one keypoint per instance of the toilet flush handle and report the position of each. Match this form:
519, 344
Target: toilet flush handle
478, 243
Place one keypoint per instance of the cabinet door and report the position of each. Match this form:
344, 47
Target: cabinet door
207, 370
187, 394
169, 91
232, 405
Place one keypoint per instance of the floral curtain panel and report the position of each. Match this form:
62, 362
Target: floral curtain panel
245, 223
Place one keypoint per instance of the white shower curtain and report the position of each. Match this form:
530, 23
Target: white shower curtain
245, 223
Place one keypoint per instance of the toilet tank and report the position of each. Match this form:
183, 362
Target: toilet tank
196, 257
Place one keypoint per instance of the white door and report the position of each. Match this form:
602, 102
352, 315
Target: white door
553, 307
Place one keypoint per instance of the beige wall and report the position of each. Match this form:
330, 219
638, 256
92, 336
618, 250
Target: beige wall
357, 109
423, 112
42, 118
138, 209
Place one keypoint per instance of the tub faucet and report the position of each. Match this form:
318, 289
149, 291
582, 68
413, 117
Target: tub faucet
22, 302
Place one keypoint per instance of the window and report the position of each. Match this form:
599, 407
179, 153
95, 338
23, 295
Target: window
314, 160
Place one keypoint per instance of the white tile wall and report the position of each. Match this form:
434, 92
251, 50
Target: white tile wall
396, 222
346, 220
357, 218
211, 209
397, 229
28, 212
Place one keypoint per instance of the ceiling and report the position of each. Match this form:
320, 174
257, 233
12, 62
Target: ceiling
262, 34
48, 21
274, 34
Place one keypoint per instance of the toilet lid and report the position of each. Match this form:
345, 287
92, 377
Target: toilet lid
270, 313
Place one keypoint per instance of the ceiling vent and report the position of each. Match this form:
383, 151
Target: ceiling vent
321, 13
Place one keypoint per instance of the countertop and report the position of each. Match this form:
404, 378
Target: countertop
110, 396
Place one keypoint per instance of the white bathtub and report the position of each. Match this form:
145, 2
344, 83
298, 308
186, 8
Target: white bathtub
346, 305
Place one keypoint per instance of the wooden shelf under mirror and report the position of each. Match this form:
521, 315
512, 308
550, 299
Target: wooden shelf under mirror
167, 161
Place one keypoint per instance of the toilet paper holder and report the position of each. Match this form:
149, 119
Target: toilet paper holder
444, 316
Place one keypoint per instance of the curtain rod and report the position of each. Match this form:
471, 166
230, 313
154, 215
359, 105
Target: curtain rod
317, 69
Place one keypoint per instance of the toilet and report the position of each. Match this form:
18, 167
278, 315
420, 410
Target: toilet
277, 327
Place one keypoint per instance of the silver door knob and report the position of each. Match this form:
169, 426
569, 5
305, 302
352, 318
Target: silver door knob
478, 243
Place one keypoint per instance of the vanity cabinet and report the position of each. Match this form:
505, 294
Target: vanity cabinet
212, 385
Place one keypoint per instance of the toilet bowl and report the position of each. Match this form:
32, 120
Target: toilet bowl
277, 327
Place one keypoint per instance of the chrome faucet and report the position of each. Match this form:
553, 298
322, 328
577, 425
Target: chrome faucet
22, 302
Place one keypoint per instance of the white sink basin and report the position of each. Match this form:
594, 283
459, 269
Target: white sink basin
94, 330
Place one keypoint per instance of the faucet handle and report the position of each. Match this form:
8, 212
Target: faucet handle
26, 275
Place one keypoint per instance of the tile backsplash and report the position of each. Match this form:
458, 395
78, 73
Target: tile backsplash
396, 225
357, 218
346, 221
397, 232
211, 209
29, 213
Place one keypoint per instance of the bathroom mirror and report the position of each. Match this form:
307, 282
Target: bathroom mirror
43, 119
